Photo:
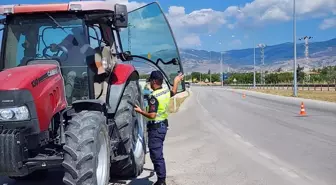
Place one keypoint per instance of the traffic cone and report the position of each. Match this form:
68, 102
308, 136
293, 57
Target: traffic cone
303, 111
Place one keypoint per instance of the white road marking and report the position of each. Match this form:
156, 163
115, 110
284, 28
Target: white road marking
237, 136
248, 144
289, 173
265, 155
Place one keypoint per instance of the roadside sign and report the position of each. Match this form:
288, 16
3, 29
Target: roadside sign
226, 76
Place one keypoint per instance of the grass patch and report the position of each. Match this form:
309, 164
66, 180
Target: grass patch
179, 102
329, 96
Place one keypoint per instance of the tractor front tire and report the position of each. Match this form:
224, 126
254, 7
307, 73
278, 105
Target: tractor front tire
87, 150
132, 131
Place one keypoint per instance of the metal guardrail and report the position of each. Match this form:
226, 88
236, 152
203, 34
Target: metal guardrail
309, 87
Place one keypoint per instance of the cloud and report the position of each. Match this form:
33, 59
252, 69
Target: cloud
265, 11
328, 23
236, 43
190, 40
231, 26
198, 21
188, 27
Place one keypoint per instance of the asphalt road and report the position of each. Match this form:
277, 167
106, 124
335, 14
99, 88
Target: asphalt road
218, 137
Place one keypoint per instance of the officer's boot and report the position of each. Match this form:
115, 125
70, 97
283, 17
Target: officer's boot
160, 182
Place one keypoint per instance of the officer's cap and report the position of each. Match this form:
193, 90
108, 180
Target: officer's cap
155, 75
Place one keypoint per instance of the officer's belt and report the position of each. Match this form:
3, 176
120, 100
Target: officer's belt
157, 124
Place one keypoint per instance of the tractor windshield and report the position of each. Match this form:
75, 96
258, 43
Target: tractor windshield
149, 35
31, 37
49, 36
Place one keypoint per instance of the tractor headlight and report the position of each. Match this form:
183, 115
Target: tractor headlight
14, 114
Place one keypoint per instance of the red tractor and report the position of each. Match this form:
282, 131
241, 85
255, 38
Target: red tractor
67, 88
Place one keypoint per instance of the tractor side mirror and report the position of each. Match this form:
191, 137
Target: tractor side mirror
121, 16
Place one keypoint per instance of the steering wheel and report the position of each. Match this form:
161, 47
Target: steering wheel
55, 48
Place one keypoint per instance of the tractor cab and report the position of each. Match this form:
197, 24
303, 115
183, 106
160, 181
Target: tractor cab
88, 42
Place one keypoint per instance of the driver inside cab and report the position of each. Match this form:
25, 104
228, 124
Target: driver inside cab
78, 56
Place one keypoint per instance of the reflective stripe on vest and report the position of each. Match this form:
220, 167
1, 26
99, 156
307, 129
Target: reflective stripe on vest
163, 98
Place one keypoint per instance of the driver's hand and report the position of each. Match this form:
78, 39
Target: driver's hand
53, 48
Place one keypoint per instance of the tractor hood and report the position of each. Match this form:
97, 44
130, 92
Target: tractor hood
26, 77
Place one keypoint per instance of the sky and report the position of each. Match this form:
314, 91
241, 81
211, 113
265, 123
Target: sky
220, 25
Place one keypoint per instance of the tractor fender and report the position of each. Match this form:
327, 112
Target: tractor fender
91, 105
122, 74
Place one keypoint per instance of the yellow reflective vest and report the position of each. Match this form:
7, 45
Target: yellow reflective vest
163, 98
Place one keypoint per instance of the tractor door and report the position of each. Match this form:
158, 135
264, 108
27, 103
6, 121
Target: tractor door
149, 35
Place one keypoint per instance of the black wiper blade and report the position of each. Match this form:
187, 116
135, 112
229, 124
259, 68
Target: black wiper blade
58, 24
172, 61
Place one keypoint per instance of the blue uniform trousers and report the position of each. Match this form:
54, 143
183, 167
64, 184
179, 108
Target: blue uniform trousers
156, 137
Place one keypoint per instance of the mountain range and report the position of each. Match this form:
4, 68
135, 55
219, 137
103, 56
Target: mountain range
321, 54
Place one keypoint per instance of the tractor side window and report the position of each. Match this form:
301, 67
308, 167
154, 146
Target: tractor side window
15, 52
95, 37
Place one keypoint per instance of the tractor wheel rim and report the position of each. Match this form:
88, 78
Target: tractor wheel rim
102, 167
137, 137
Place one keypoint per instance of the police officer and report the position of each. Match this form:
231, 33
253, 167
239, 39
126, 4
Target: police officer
157, 121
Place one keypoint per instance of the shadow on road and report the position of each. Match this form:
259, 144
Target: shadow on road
143, 180
55, 178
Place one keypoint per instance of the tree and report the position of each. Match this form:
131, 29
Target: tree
215, 77
300, 74
331, 75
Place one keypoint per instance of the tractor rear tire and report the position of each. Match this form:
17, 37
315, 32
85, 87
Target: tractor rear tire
132, 131
87, 150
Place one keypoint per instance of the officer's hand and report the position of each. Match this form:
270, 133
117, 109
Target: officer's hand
178, 78
137, 109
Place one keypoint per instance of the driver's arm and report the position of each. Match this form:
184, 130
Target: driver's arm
66, 42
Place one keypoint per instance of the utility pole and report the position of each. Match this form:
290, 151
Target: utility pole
210, 70
221, 69
262, 51
294, 40
254, 63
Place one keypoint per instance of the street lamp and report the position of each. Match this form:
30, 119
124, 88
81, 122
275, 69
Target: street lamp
221, 67
294, 38
254, 56
254, 63
210, 62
